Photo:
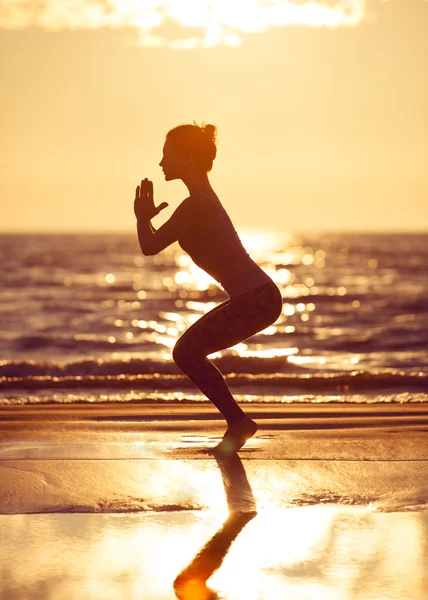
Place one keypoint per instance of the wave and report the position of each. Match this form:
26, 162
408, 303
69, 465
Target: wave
283, 382
138, 366
400, 365
367, 336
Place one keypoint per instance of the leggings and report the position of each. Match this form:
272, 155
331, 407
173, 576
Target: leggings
229, 323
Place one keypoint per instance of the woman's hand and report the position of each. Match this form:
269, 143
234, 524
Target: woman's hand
144, 206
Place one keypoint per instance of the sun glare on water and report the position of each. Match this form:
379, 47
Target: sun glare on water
182, 24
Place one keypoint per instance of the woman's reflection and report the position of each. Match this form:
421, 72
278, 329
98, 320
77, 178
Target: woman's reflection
190, 584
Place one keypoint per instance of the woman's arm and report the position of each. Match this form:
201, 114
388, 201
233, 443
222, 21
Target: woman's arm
153, 241
145, 232
145, 210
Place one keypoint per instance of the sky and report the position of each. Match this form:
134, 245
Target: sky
321, 109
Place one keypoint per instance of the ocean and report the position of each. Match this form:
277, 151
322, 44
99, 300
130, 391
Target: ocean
86, 318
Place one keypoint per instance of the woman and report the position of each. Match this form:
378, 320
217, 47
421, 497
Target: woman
204, 230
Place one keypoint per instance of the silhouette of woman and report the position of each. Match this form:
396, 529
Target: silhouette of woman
204, 230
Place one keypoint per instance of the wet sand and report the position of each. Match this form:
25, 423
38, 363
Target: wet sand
117, 501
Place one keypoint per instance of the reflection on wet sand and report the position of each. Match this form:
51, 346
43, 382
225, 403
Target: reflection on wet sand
323, 528
191, 583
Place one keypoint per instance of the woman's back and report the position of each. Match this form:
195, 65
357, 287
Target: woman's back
214, 245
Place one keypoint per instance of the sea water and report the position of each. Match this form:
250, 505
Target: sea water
88, 318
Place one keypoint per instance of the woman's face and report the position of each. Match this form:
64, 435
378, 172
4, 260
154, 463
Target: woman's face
174, 165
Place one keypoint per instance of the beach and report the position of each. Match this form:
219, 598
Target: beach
116, 501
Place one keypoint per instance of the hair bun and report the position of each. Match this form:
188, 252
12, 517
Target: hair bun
210, 130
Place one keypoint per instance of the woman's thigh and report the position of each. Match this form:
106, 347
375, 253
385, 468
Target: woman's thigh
233, 321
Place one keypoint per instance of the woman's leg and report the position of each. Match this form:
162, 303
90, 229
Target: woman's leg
228, 324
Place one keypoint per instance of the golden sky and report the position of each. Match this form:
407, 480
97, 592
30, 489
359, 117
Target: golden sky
321, 108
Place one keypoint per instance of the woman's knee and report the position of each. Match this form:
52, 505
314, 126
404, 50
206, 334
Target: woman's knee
177, 353
182, 353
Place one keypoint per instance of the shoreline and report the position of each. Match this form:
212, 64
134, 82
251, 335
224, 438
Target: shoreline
207, 410
204, 417
108, 458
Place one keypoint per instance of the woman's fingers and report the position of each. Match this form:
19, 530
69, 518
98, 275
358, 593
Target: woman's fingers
144, 204
144, 193
146, 188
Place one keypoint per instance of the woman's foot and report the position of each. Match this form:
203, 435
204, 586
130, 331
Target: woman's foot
236, 436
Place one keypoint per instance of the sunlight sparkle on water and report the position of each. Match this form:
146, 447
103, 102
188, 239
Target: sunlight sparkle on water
268, 353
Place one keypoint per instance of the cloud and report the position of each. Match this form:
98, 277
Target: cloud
211, 22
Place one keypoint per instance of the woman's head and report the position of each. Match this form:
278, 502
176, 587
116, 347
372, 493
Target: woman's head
189, 148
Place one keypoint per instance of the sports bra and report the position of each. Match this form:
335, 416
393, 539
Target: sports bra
214, 245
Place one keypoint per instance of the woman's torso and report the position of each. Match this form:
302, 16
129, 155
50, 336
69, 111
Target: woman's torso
214, 246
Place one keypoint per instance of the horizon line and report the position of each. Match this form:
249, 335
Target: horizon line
248, 228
